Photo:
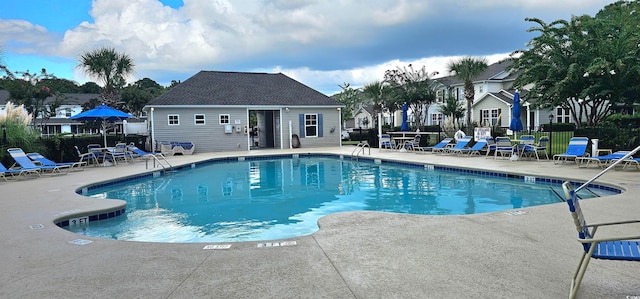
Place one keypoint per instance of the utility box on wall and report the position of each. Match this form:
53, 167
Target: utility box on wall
228, 129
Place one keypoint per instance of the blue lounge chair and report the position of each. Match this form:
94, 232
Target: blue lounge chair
25, 163
620, 248
461, 144
43, 161
577, 148
15, 172
442, 144
601, 161
477, 148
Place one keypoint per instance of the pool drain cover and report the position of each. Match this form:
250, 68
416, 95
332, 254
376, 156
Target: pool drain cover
218, 246
80, 242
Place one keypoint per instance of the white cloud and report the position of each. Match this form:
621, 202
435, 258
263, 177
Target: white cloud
328, 81
27, 38
320, 43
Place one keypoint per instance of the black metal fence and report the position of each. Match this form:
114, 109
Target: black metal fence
613, 138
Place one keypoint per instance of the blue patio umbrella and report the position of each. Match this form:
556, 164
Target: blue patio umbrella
104, 113
516, 123
405, 124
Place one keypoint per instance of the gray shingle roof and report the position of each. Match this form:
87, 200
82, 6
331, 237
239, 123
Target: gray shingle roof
237, 88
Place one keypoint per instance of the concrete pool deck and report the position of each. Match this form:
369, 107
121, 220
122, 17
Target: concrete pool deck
531, 254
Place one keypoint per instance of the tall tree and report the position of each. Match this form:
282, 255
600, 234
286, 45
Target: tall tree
467, 69
30, 89
415, 87
373, 91
349, 98
586, 64
111, 68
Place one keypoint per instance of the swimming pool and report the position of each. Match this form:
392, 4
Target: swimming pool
270, 198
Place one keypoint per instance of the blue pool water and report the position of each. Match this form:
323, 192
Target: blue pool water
284, 198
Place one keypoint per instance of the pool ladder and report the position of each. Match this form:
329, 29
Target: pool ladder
163, 162
360, 149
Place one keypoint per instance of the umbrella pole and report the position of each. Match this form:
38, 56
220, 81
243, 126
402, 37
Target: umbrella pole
104, 133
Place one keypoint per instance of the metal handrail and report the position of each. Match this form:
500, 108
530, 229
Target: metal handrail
360, 148
608, 168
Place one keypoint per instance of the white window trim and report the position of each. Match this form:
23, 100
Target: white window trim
169, 119
228, 119
314, 125
195, 119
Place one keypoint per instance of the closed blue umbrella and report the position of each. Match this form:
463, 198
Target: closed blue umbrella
104, 113
516, 123
405, 124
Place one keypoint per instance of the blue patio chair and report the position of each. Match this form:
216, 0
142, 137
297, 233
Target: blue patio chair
119, 152
491, 145
413, 145
43, 161
503, 147
620, 248
21, 159
577, 148
87, 157
461, 144
386, 142
442, 144
536, 149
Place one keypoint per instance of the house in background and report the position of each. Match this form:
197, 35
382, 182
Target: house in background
218, 110
363, 118
493, 100
72, 104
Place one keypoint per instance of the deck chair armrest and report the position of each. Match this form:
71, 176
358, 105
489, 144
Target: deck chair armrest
616, 238
595, 225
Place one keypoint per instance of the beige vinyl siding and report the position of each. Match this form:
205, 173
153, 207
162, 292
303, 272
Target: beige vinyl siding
207, 138
491, 103
330, 120
211, 137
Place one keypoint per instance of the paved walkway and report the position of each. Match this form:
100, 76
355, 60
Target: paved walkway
354, 255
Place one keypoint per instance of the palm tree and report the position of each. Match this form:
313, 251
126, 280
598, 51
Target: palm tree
467, 69
373, 91
110, 67
452, 109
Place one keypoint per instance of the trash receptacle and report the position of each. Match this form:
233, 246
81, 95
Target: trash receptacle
594, 147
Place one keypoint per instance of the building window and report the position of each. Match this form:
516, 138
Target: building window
491, 117
174, 119
198, 119
439, 96
225, 119
563, 115
311, 125
436, 118
480, 89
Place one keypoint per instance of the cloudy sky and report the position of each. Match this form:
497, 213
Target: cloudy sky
321, 43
